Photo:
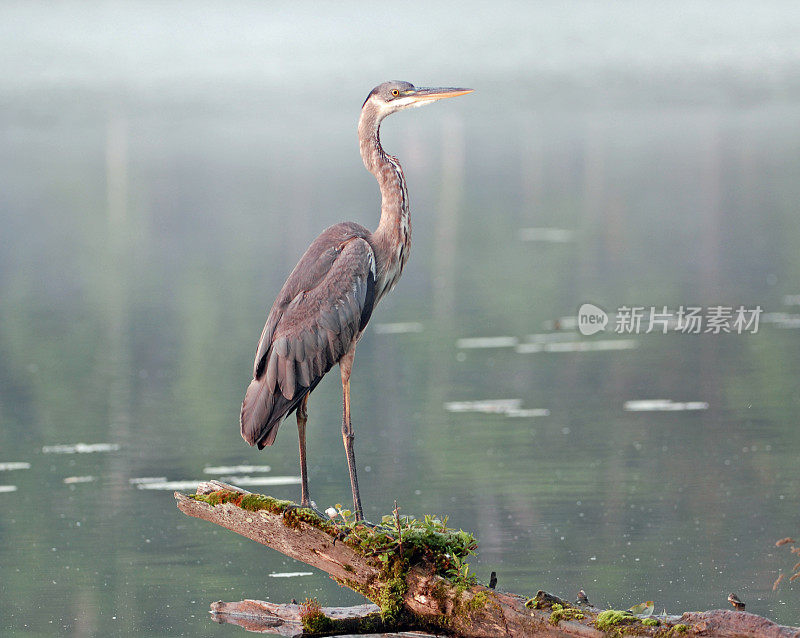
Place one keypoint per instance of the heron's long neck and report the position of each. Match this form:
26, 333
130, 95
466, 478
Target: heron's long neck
393, 236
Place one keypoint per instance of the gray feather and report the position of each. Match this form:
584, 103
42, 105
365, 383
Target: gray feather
271, 378
321, 362
334, 349
360, 294
297, 348
288, 381
346, 336
281, 346
345, 318
309, 343
322, 339
329, 319
304, 373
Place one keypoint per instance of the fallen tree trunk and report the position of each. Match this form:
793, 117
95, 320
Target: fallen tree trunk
408, 586
287, 620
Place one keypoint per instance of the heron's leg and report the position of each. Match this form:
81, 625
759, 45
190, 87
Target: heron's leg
302, 418
346, 366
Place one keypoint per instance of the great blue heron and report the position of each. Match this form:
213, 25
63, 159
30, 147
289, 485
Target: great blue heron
325, 304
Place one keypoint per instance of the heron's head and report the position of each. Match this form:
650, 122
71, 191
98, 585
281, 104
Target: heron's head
393, 96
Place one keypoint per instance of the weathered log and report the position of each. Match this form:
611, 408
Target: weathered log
417, 597
286, 620
727, 623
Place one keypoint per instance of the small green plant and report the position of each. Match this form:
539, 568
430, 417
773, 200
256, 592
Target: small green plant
348, 519
459, 574
414, 541
650, 622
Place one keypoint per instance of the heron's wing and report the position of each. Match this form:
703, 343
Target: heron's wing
307, 336
312, 269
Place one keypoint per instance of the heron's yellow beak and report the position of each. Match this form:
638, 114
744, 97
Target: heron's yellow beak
421, 97
431, 95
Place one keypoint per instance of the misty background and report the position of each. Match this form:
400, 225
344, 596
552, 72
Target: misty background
163, 165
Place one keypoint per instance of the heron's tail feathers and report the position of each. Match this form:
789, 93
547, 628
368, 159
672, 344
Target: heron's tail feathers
259, 417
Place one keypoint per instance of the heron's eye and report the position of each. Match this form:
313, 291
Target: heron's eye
395, 92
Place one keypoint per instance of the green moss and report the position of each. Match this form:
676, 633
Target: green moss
388, 595
391, 598
426, 540
533, 603
315, 622
681, 628
564, 612
250, 502
543, 600
467, 606
401, 542
312, 618
478, 601
292, 514
617, 622
612, 618
439, 594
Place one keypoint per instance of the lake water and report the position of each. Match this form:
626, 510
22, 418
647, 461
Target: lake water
164, 165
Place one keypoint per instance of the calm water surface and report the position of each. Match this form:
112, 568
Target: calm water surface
164, 166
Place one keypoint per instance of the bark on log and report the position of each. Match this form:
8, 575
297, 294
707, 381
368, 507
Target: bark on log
429, 602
